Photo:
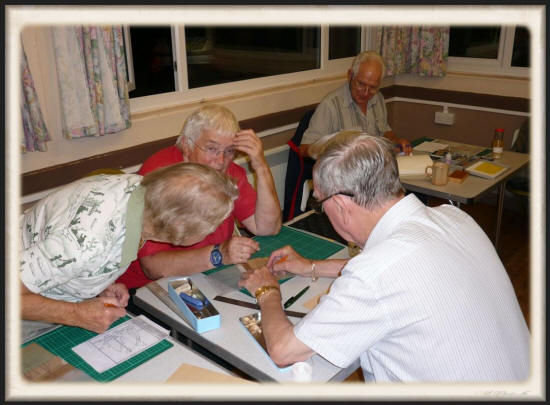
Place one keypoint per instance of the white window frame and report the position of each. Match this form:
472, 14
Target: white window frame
501, 66
129, 58
328, 68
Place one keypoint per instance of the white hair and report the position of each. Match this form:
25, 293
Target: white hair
368, 56
208, 117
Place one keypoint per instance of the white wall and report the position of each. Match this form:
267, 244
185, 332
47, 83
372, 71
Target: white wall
165, 121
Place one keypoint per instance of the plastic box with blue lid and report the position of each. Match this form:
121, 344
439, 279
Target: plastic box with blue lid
198, 310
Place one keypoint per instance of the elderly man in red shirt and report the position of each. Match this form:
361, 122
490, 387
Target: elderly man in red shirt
211, 136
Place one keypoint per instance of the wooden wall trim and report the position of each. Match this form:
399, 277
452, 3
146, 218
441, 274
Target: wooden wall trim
54, 176
458, 97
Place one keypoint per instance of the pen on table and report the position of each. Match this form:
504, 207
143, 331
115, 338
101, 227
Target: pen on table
292, 300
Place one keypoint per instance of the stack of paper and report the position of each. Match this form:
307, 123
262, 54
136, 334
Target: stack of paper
488, 170
430, 147
413, 165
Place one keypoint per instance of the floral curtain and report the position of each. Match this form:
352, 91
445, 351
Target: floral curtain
91, 71
35, 133
422, 50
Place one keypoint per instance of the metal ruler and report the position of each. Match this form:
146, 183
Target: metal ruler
253, 306
163, 295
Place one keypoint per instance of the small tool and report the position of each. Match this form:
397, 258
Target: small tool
109, 305
292, 300
192, 300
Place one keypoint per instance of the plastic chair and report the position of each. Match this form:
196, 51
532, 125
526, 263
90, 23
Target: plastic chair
299, 170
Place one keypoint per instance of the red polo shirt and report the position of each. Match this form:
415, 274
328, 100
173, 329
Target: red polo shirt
244, 207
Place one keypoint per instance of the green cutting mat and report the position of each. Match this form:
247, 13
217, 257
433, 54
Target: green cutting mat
418, 141
305, 244
61, 341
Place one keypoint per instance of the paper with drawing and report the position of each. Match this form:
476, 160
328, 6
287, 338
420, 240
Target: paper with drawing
120, 343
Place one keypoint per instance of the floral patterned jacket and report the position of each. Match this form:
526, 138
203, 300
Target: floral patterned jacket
74, 241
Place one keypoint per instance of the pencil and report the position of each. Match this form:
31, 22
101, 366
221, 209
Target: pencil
281, 260
109, 305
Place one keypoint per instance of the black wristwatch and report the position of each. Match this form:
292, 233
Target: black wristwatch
216, 256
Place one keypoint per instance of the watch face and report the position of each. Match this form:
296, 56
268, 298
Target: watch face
216, 257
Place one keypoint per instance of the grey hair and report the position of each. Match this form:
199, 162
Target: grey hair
363, 165
316, 148
368, 56
187, 199
208, 117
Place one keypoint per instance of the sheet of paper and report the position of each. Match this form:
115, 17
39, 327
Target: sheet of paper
430, 146
226, 280
413, 165
188, 373
120, 343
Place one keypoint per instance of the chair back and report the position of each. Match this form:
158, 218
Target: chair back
520, 142
298, 170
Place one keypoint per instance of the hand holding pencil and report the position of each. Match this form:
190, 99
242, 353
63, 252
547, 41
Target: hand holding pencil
117, 295
286, 259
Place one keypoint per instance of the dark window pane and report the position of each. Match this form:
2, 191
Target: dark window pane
474, 42
344, 42
225, 54
153, 61
520, 54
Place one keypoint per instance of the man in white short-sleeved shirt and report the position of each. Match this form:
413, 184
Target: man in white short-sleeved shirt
427, 299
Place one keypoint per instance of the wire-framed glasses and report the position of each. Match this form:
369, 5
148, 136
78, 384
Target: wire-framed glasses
317, 205
363, 86
213, 152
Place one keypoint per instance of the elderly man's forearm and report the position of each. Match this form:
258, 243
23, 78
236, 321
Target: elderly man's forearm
35, 307
282, 345
267, 214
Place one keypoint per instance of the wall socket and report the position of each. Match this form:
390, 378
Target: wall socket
445, 118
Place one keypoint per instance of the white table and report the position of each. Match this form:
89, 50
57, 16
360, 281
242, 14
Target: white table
473, 187
231, 342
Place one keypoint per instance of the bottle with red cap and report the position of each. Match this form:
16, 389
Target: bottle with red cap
498, 143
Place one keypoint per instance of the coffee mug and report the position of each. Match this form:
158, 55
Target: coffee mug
439, 173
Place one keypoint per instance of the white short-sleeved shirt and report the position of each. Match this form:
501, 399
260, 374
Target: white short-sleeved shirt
337, 111
428, 299
80, 239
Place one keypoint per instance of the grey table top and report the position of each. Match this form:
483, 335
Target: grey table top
231, 341
473, 186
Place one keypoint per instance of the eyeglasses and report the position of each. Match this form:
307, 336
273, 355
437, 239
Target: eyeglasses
317, 206
213, 152
363, 87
